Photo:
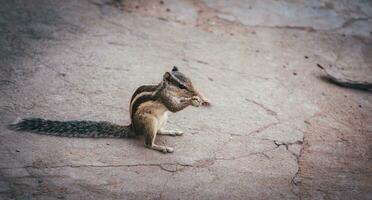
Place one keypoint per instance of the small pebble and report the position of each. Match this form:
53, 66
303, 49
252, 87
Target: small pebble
321, 67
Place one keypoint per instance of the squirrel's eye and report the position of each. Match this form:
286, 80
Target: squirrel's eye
181, 86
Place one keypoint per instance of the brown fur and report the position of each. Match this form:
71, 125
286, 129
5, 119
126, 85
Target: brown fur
150, 106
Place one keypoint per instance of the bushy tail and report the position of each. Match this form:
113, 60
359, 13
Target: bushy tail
87, 129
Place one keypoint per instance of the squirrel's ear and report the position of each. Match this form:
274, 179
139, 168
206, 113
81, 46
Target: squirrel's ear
174, 69
167, 76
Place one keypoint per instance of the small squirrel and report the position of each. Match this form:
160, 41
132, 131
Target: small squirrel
149, 108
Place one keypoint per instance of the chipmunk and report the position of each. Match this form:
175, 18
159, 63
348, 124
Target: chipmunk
149, 108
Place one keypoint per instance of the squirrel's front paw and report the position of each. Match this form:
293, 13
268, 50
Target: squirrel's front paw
196, 101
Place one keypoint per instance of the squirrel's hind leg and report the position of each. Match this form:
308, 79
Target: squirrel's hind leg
150, 126
161, 122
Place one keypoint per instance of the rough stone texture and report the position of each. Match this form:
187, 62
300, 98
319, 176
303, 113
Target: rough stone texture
277, 128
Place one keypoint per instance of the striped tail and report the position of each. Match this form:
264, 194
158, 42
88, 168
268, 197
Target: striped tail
83, 129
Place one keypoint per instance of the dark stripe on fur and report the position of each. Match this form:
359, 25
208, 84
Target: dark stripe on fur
72, 128
144, 88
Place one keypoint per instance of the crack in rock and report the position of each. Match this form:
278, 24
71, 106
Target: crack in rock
296, 179
168, 167
287, 144
263, 128
268, 110
100, 166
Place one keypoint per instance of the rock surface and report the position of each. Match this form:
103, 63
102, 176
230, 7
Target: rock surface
277, 128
